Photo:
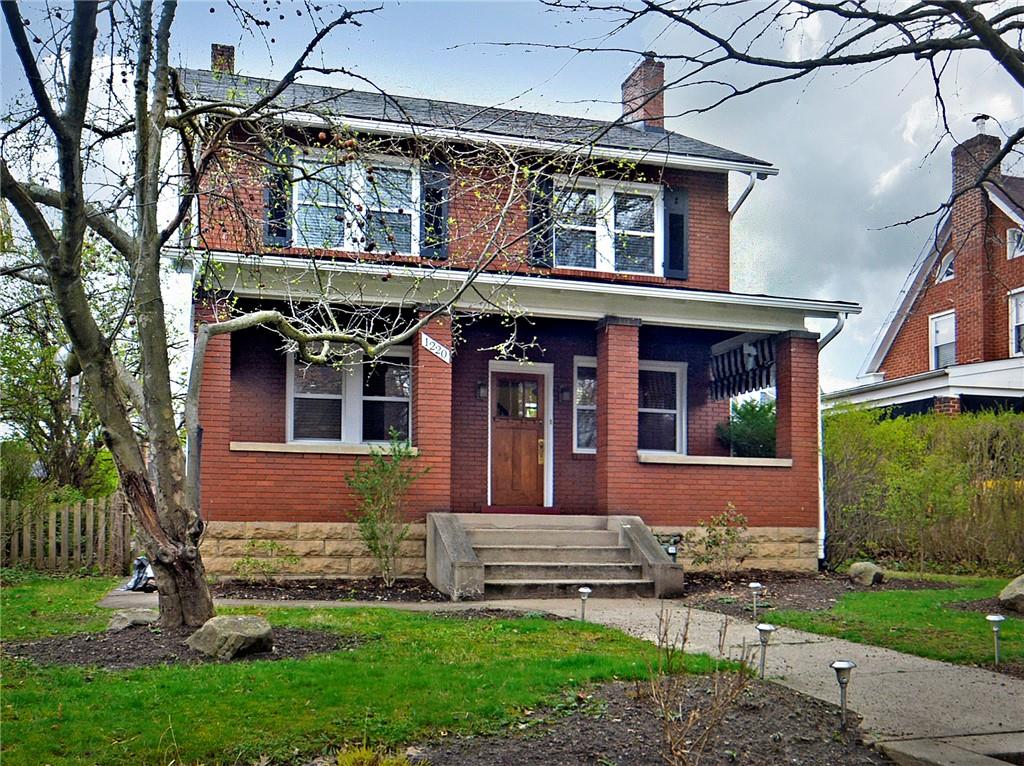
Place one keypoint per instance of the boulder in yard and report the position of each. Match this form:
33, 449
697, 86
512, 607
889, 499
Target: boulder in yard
232, 636
865, 573
1012, 596
127, 618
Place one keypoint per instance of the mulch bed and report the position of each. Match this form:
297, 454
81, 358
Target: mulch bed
141, 646
495, 614
369, 589
769, 724
804, 591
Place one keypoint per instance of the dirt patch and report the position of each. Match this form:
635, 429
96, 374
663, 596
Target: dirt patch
804, 591
769, 724
141, 646
369, 589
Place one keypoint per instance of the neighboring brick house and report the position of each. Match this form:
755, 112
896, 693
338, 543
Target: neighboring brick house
955, 341
640, 344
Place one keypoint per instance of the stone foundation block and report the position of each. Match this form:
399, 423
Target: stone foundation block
216, 530
271, 530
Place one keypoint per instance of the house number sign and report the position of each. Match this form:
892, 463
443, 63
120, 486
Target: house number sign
436, 348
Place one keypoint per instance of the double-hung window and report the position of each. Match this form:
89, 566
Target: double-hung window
1017, 323
356, 402
368, 205
608, 226
942, 329
584, 408
662, 407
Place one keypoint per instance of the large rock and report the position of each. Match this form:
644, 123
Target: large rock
229, 636
866, 573
1012, 596
127, 618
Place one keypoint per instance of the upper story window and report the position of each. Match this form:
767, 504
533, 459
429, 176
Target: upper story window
662, 407
359, 206
584, 408
355, 403
1017, 323
1014, 243
608, 226
946, 270
942, 330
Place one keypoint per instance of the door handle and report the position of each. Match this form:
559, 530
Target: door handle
540, 452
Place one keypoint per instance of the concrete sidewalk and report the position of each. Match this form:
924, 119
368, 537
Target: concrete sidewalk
919, 711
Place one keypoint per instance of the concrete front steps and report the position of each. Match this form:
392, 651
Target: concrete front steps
546, 556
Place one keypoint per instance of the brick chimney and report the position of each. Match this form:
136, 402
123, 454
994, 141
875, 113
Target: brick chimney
643, 94
222, 58
972, 155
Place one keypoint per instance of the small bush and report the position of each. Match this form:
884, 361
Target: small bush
263, 561
750, 431
365, 756
381, 486
723, 544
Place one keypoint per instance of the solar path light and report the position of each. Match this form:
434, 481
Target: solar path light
764, 632
584, 593
843, 668
996, 621
755, 590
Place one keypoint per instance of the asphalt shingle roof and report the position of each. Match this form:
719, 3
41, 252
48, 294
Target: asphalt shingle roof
354, 104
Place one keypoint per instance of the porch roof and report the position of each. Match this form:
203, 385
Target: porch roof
282, 277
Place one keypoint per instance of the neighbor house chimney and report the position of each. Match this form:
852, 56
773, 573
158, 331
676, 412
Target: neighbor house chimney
970, 157
643, 94
222, 58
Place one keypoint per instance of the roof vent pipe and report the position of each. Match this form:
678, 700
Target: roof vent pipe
981, 123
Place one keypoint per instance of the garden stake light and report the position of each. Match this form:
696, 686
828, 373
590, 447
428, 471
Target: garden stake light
995, 620
584, 592
843, 669
755, 589
764, 632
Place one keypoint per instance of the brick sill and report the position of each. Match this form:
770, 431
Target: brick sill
735, 462
309, 448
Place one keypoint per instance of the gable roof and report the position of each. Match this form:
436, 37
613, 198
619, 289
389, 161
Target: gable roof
406, 111
1008, 196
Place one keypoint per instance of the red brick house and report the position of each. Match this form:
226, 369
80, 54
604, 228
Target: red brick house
955, 341
639, 344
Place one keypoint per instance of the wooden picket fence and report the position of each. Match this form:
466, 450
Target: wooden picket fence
93, 534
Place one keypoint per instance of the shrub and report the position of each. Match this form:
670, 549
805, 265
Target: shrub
750, 430
722, 545
365, 756
263, 560
381, 486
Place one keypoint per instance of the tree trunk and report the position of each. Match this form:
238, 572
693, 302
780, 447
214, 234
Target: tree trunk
185, 598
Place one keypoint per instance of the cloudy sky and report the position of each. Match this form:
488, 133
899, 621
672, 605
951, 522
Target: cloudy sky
853, 147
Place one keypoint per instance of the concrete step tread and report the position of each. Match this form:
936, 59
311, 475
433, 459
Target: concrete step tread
517, 547
581, 583
549, 564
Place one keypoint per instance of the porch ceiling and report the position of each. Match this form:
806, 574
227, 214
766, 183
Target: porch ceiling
277, 277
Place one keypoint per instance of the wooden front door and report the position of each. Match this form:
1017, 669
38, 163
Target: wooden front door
517, 439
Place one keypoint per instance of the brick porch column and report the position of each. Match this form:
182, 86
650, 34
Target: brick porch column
432, 419
946, 405
214, 412
618, 359
796, 391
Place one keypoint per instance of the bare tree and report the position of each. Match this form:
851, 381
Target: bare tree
114, 142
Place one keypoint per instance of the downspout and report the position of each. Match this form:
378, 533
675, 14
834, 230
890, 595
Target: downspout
822, 511
752, 178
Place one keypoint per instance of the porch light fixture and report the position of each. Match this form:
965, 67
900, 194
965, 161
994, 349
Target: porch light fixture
584, 594
481, 391
755, 590
843, 668
995, 620
764, 632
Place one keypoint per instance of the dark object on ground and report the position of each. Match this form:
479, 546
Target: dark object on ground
783, 590
140, 647
143, 579
230, 636
129, 618
370, 589
769, 725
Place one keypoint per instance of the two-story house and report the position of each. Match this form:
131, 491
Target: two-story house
956, 340
636, 344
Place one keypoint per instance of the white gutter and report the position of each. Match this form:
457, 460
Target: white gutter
831, 334
829, 337
752, 178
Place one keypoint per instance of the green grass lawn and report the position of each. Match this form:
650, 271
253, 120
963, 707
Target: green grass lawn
416, 676
918, 621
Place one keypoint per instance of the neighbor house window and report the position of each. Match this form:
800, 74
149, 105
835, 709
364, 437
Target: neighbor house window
584, 412
946, 269
1014, 243
943, 340
358, 206
608, 226
359, 401
1017, 323
661, 407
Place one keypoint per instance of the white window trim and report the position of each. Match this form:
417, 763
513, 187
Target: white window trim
679, 368
577, 362
1012, 252
604, 238
351, 401
1012, 298
353, 177
932, 319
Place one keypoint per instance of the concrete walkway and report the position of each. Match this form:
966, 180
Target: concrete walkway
920, 711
